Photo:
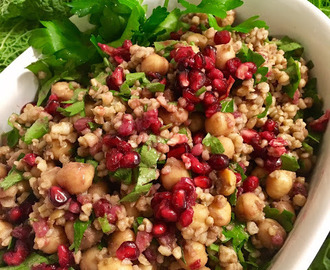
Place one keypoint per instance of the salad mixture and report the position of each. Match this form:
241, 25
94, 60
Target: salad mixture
181, 141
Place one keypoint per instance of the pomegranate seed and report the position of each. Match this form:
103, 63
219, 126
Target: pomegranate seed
102, 207
127, 127
74, 207
238, 177
115, 141
272, 163
249, 134
116, 79
186, 217
210, 51
65, 256
271, 126
130, 160
197, 149
209, 99
168, 214
177, 150
58, 196
250, 183
52, 104
187, 185
246, 70
82, 123
218, 162
128, 250
127, 44
190, 96
320, 125
21, 232
190, 107
209, 63
30, 159
18, 214
298, 188
197, 79
183, 79
233, 64
219, 85
16, 257
199, 61
198, 138
215, 74
160, 196
202, 182
179, 199
222, 37
159, 229
113, 158
210, 110
182, 53
267, 135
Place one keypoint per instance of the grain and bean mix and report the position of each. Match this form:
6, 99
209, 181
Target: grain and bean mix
191, 154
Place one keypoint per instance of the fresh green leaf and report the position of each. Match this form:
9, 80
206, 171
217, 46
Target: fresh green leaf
139, 220
79, 229
227, 106
105, 225
238, 169
214, 143
170, 24
233, 198
290, 47
166, 45
310, 90
13, 177
149, 156
289, 163
322, 259
314, 137
200, 91
145, 176
74, 109
268, 103
36, 131
237, 235
136, 193
214, 247
12, 137
183, 131
307, 147
76, 95
131, 78
123, 175
247, 55
285, 218
155, 87
293, 71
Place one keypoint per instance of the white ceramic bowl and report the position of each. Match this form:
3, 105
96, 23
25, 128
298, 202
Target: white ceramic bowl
301, 21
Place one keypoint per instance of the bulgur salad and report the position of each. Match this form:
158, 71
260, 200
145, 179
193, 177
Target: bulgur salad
181, 141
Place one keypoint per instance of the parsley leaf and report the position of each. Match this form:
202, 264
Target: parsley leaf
13, 177
136, 193
290, 47
227, 106
79, 229
36, 131
322, 259
214, 143
233, 198
105, 225
310, 90
155, 87
289, 163
238, 169
200, 91
74, 109
123, 175
12, 137
285, 218
268, 101
149, 156
293, 71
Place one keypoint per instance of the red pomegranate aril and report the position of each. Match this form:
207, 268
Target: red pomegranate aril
186, 217
127, 126
272, 163
198, 138
195, 265
210, 51
209, 98
218, 162
52, 104
212, 109
249, 134
190, 96
233, 64
169, 215
21, 232
219, 85
199, 61
183, 79
197, 150
102, 207
179, 200
116, 79
178, 150
182, 53
202, 182
130, 160
246, 70
222, 37
30, 159
320, 124
127, 44
74, 207
58, 196
159, 229
197, 79
238, 177
250, 183
267, 135
65, 256
113, 158
128, 250
215, 74
196, 165
15, 215
82, 123
271, 126
16, 257
190, 107
209, 63
160, 196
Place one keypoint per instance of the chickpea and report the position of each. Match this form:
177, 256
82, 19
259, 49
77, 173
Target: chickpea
5, 233
177, 170
59, 150
89, 259
249, 207
175, 118
88, 108
113, 264
228, 145
220, 210
193, 251
220, 124
196, 38
285, 205
271, 234
91, 236
225, 52
227, 182
131, 210
201, 213
100, 188
76, 177
197, 122
117, 238
3, 171
260, 172
52, 241
62, 90
155, 63
279, 183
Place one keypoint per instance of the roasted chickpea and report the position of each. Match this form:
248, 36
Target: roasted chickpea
196, 38
53, 240
59, 150
5, 233
228, 145
176, 118
117, 238
3, 171
62, 90
76, 177
220, 124
172, 172
91, 236
260, 172
249, 207
197, 122
226, 182
271, 234
100, 188
155, 63
113, 264
131, 210
225, 52
279, 183
285, 205
193, 251
89, 259
220, 210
